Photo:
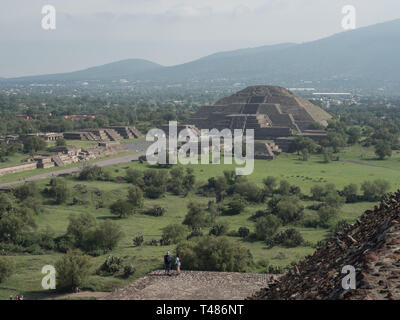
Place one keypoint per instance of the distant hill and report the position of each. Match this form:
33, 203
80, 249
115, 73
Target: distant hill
112, 71
366, 57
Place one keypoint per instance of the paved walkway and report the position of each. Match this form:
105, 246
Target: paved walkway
192, 285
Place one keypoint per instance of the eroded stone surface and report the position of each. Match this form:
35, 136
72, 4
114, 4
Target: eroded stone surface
371, 246
192, 285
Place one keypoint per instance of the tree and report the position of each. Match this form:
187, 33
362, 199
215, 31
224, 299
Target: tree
59, 190
284, 188
91, 173
7, 268
219, 229
289, 238
375, 190
102, 238
354, 135
28, 189
79, 225
135, 177
289, 209
122, 208
333, 199
266, 227
175, 233
61, 142
73, 270
197, 216
249, 191
235, 207
135, 196
270, 184
383, 149
335, 140
306, 145
350, 192
326, 214
210, 253
317, 192
243, 232
33, 144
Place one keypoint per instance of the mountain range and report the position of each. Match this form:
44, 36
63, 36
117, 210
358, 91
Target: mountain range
367, 57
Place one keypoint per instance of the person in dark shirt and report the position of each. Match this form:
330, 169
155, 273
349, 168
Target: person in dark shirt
167, 263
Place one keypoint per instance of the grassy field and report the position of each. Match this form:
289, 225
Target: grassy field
364, 166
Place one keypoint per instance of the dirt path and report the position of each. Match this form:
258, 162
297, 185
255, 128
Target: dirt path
367, 164
192, 285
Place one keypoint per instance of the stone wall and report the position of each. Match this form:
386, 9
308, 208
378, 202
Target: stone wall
18, 168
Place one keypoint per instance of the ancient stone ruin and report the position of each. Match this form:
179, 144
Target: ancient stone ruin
273, 112
114, 133
371, 246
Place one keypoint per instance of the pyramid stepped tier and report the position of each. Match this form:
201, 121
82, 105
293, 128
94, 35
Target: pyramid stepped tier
113, 135
271, 111
126, 132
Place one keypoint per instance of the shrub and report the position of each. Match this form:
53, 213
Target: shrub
350, 193
135, 196
33, 144
243, 232
128, 271
235, 207
195, 233
61, 142
375, 190
289, 238
209, 253
248, 191
28, 189
333, 199
135, 177
153, 242
111, 265
284, 188
289, 209
59, 190
138, 240
174, 233
84, 233
270, 184
219, 229
266, 227
91, 173
7, 268
156, 211
197, 216
326, 214
122, 208
317, 192
341, 226
72, 270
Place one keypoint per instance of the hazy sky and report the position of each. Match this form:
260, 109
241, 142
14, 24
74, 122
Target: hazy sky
94, 32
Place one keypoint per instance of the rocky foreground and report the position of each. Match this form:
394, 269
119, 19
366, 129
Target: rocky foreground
192, 285
371, 246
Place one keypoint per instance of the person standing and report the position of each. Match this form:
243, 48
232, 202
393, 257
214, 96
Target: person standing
167, 263
178, 264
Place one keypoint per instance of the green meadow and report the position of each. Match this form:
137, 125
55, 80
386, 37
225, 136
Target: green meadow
355, 165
